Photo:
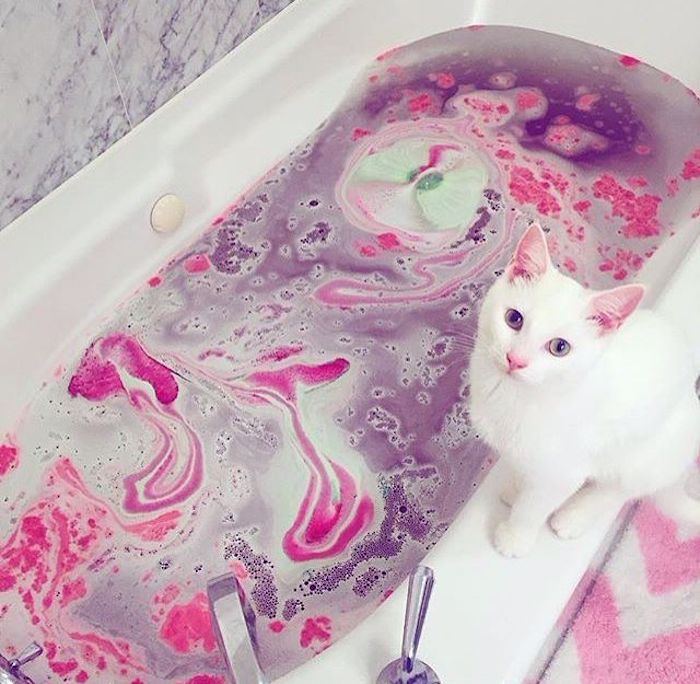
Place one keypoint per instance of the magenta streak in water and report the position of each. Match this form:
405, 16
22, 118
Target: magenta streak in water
148, 530
281, 353
158, 492
347, 292
434, 155
326, 523
284, 380
98, 377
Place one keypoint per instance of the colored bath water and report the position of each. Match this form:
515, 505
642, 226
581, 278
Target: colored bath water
289, 398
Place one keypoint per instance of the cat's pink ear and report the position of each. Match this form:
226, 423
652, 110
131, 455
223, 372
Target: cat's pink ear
531, 258
609, 309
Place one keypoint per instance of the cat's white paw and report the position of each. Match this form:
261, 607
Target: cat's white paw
513, 542
509, 493
569, 522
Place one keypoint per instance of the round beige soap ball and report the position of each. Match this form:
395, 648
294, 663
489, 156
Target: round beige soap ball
167, 214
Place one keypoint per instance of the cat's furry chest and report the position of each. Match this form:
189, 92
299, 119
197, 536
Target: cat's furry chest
523, 426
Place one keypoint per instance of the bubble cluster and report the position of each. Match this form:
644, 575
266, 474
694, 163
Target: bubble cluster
261, 570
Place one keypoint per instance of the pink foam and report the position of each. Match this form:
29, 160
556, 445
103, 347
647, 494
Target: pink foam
587, 101
445, 80
421, 103
46, 562
344, 292
691, 166
528, 99
435, 154
315, 629
388, 241
276, 626
571, 140
358, 133
527, 189
368, 251
188, 627
628, 61
639, 212
325, 524
9, 458
98, 377
197, 263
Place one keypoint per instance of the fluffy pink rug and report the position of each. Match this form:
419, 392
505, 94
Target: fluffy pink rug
635, 618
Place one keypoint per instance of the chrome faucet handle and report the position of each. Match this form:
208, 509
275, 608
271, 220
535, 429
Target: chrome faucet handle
234, 626
408, 669
11, 670
419, 589
31, 652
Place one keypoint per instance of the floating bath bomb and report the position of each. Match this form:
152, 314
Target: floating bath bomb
446, 199
427, 189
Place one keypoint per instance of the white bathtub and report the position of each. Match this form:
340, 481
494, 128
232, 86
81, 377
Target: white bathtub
85, 247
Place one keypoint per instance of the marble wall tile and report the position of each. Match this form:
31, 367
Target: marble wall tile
76, 75
59, 100
160, 46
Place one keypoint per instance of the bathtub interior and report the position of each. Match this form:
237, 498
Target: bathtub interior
98, 251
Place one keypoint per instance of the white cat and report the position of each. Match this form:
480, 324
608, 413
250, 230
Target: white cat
589, 399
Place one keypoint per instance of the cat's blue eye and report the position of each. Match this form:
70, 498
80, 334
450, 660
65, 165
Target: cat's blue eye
514, 319
558, 347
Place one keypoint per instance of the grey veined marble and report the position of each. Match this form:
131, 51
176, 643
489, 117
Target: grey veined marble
75, 75
160, 46
59, 101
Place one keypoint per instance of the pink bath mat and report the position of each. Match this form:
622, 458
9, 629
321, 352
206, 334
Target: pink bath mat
635, 617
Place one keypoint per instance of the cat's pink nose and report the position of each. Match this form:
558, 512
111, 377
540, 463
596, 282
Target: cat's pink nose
515, 362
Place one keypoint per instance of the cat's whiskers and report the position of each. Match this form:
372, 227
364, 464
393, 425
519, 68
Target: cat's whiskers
461, 341
465, 346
